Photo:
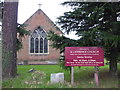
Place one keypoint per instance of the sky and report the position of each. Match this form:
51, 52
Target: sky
52, 8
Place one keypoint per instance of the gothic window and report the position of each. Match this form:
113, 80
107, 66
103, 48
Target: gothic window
38, 42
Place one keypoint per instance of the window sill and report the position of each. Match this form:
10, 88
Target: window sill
38, 54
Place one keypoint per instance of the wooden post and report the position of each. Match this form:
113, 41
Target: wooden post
72, 75
96, 76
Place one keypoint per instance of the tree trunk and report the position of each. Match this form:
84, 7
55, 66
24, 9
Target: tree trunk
113, 68
9, 27
113, 62
114, 51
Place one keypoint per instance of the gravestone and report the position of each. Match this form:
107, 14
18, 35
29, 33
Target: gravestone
57, 78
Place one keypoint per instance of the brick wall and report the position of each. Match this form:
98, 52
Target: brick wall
39, 18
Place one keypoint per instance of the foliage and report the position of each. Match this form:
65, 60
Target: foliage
60, 42
62, 63
22, 32
96, 24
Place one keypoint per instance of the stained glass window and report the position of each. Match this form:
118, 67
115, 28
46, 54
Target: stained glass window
38, 42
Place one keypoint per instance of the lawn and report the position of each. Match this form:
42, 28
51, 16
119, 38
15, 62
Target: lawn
40, 78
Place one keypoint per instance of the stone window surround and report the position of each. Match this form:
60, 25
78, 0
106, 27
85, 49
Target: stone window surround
39, 43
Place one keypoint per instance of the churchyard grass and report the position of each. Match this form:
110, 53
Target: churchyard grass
84, 77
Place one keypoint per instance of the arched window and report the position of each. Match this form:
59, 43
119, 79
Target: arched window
38, 42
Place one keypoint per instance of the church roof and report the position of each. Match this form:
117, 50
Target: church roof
39, 11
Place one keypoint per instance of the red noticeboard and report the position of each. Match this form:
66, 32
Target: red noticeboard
84, 56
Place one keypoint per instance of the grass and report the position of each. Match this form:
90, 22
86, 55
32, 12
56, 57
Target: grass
84, 78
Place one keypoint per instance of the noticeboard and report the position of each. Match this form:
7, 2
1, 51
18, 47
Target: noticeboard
84, 56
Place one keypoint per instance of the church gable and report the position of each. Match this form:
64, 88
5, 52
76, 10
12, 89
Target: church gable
36, 47
39, 18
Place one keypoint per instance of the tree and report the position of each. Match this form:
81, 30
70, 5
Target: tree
9, 28
21, 32
60, 42
96, 24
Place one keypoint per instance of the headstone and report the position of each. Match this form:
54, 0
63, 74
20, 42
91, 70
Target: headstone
57, 78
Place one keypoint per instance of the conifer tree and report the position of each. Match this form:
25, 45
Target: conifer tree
96, 24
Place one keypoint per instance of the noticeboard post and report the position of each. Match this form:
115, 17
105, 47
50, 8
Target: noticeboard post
83, 56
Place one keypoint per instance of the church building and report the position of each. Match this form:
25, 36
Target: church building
36, 47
